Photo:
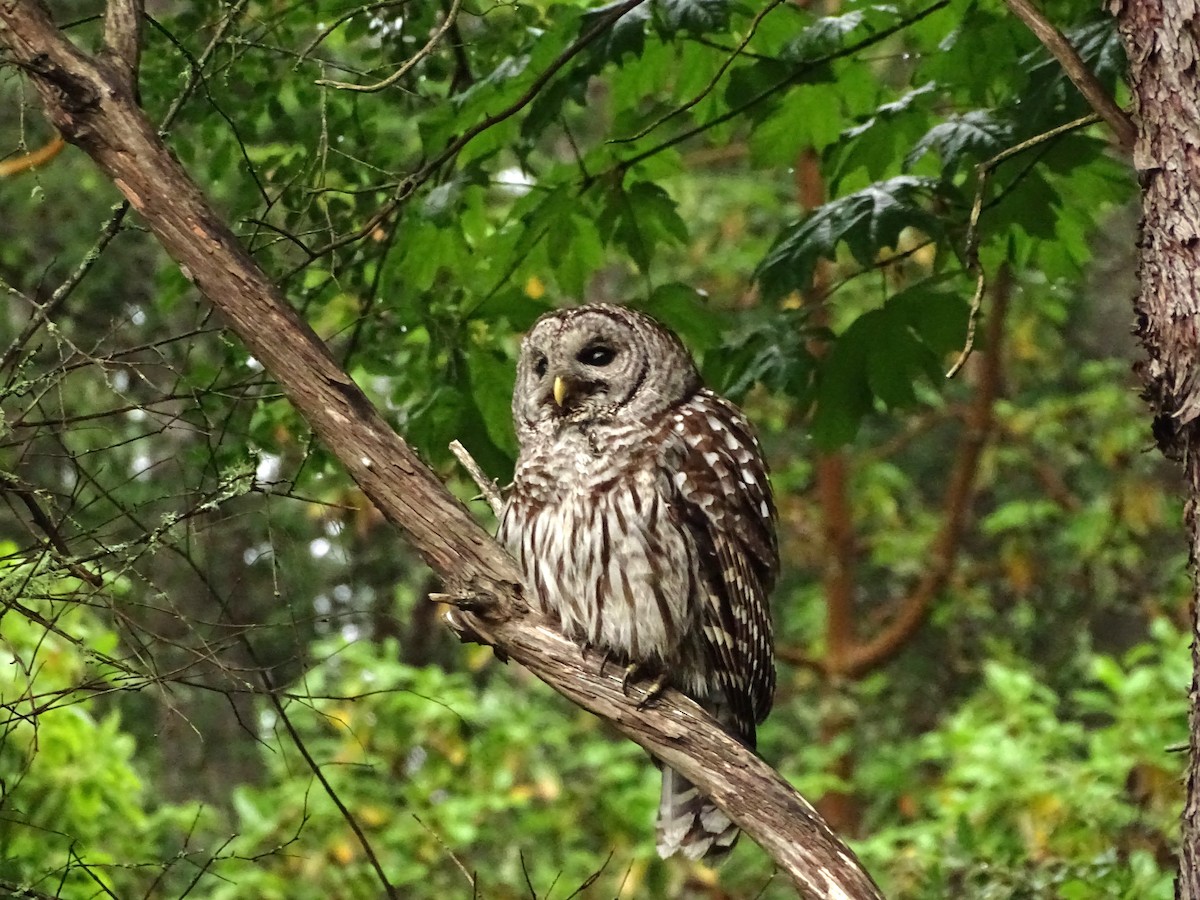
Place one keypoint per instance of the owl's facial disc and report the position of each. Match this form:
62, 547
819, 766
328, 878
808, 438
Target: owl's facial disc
594, 364
578, 369
581, 390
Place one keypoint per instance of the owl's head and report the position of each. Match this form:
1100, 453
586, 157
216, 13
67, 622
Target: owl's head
593, 364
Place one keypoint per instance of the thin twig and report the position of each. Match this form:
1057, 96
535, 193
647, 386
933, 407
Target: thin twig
983, 173
409, 185
487, 487
591, 879
525, 871
73, 853
446, 25
48, 528
381, 215
315, 768
194, 76
720, 73
13, 889
337, 23
787, 81
197, 72
677, 731
960, 492
111, 228
1081, 76
458, 862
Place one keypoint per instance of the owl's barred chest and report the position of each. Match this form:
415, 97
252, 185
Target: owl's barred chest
601, 550
567, 468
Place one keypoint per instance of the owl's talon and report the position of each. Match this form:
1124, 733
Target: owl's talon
467, 600
631, 672
463, 629
654, 691
604, 659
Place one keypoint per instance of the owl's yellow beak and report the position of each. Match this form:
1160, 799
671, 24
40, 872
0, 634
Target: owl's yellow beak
560, 389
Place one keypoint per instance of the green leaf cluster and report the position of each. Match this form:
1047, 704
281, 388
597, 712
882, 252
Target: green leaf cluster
1027, 793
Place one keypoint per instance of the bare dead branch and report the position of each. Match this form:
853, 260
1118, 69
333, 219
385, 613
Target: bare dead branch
1081, 76
99, 114
487, 487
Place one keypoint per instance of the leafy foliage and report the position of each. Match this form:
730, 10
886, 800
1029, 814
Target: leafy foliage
866, 221
68, 765
881, 355
1022, 799
486, 774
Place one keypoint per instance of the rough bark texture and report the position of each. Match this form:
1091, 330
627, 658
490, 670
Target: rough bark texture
92, 101
1162, 41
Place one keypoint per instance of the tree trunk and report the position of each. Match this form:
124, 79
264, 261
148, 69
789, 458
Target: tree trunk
1162, 41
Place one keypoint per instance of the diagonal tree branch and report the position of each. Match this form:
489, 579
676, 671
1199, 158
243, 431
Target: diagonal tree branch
92, 103
1081, 76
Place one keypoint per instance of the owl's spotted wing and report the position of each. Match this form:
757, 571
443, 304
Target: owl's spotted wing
724, 500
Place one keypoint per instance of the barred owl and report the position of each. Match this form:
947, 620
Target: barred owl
642, 519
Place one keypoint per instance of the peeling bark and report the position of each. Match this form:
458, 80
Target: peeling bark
1162, 42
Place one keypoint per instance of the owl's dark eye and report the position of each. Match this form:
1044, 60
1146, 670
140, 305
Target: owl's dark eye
539, 367
598, 355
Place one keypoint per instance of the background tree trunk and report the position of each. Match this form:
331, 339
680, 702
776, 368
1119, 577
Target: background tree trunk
1162, 41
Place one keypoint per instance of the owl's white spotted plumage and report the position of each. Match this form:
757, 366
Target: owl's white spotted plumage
642, 518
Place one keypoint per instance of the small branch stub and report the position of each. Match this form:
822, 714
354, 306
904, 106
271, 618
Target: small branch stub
487, 487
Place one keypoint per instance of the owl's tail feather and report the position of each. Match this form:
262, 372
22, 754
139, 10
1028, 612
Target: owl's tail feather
690, 823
